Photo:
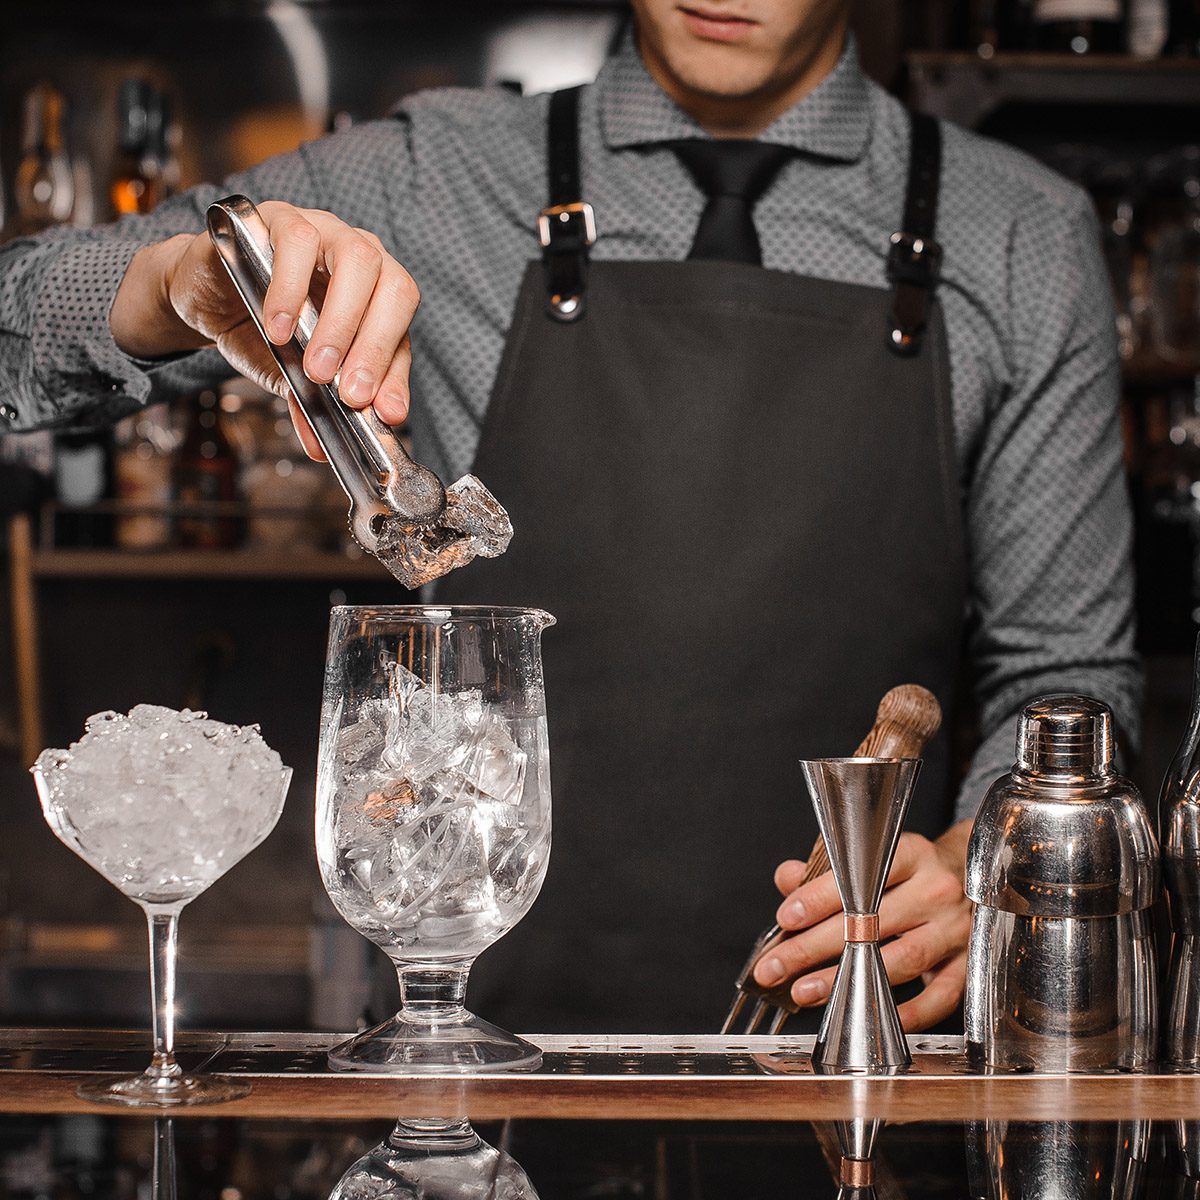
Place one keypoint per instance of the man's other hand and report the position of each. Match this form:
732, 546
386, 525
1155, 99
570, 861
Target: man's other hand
924, 923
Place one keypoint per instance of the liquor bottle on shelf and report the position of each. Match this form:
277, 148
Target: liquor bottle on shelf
1079, 26
1148, 27
207, 487
44, 184
82, 480
135, 186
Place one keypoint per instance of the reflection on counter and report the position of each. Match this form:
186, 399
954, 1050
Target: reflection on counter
434, 1160
1058, 1160
124, 1158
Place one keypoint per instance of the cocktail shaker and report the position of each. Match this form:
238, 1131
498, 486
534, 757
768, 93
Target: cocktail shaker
1179, 811
1063, 868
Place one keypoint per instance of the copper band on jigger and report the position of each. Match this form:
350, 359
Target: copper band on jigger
861, 927
857, 1172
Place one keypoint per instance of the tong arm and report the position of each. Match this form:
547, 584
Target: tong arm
376, 473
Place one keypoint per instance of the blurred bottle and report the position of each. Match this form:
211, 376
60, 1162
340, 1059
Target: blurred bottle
135, 186
1148, 27
145, 444
83, 474
206, 480
44, 184
1174, 259
1079, 26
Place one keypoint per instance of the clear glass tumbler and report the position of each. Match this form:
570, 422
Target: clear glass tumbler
433, 813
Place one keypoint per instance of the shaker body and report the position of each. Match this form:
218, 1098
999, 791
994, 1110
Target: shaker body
1181, 863
1061, 994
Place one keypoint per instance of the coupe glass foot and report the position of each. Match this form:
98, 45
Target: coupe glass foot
149, 1091
463, 1045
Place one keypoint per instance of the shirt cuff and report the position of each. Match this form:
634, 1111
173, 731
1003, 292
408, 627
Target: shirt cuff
80, 374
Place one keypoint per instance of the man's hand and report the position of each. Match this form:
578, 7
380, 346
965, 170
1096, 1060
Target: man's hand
924, 910
176, 296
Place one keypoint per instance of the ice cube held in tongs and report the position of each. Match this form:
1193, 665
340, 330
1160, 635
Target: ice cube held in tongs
399, 510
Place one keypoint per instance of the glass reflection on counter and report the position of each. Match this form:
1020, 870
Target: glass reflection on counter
1057, 1160
434, 1160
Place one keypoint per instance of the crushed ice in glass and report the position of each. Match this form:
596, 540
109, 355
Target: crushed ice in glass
162, 803
436, 838
474, 524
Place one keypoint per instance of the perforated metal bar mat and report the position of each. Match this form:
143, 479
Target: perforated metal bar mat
299, 1054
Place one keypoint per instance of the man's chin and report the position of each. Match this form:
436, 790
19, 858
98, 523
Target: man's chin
724, 74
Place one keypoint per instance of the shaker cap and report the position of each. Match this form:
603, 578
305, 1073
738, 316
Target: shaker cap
1062, 835
1065, 735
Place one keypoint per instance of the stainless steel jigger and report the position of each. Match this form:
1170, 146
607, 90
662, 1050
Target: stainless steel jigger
861, 804
376, 473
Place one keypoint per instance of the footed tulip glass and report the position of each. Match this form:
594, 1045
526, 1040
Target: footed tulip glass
433, 813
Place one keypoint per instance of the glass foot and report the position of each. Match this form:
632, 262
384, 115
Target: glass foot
149, 1091
462, 1044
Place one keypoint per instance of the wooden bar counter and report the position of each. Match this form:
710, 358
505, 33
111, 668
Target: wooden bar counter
619, 1077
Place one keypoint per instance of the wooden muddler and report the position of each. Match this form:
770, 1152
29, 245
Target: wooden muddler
907, 718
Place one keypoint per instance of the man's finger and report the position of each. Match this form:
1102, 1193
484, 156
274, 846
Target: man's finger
354, 265
813, 989
941, 996
810, 903
801, 954
789, 875
916, 952
296, 246
304, 432
384, 324
392, 400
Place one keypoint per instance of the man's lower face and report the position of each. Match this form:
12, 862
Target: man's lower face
732, 48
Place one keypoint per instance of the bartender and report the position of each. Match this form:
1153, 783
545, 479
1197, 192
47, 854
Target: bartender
791, 395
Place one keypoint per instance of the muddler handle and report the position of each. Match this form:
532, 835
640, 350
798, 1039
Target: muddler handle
907, 718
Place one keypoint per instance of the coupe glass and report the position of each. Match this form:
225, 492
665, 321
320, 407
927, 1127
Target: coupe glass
434, 1160
433, 813
162, 804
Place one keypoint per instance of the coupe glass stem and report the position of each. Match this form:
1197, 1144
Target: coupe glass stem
433, 995
163, 921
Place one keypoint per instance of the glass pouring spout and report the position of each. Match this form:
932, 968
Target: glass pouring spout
399, 510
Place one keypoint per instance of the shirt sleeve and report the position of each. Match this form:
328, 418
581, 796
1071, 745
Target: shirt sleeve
57, 353
1049, 528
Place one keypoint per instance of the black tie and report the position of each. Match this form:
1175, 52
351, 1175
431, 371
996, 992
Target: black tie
732, 173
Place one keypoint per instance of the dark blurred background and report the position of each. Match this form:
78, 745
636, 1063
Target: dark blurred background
191, 557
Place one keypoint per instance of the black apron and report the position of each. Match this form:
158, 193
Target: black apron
736, 490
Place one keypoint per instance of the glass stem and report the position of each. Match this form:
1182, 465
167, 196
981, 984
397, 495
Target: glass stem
433, 995
164, 925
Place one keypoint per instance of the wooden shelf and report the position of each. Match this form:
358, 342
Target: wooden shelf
203, 564
967, 89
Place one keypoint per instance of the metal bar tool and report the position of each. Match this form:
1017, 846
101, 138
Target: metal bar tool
399, 510
907, 718
861, 804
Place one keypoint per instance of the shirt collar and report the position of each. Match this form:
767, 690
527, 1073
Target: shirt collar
832, 121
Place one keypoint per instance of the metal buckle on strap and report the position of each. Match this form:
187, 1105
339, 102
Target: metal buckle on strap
913, 259
568, 223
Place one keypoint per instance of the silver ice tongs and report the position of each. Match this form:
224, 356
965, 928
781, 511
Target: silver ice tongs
383, 483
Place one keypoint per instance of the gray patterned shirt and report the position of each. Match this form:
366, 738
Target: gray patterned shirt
453, 184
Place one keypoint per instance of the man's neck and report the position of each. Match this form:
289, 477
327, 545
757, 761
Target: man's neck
747, 116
